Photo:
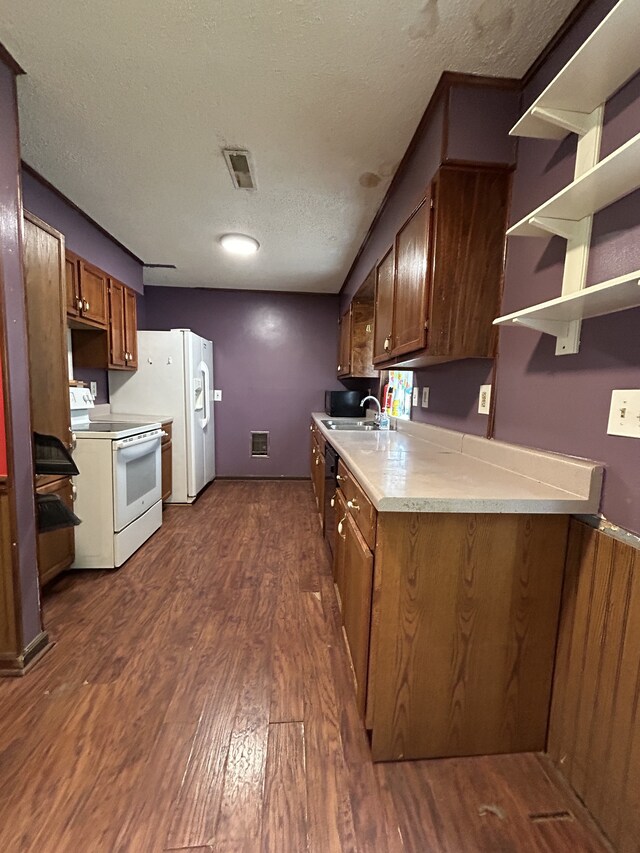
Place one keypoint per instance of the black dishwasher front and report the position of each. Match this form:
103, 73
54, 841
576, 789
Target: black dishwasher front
330, 485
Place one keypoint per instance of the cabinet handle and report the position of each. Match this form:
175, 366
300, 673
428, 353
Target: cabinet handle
341, 479
79, 304
317, 460
311, 427
339, 367
74, 440
74, 492
353, 505
333, 500
313, 451
340, 523
387, 343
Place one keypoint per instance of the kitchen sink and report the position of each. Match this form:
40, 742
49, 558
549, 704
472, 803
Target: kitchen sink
357, 426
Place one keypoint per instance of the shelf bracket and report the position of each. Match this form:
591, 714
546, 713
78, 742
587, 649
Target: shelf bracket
557, 328
566, 228
569, 120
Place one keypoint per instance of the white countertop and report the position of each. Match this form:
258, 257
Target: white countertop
420, 468
103, 413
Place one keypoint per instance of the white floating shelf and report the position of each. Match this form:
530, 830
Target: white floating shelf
604, 63
609, 180
553, 316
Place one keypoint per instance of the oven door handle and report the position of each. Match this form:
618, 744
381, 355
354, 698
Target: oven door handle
123, 445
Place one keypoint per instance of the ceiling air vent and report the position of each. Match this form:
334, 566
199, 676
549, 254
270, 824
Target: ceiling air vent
240, 168
259, 443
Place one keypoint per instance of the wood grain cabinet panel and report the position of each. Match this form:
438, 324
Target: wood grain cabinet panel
72, 284
117, 345
355, 352
56, 549
357, 583
94, 290
384, 301
131, 327
44, 276
467, 613
166, 452
439, 291
411, 312
344, 344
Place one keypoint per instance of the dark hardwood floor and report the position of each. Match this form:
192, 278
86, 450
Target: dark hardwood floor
200, 699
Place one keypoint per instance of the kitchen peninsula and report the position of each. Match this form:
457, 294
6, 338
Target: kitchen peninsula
448, 563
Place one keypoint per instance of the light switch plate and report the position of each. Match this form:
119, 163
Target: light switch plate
425, 398
484, 399
414, 399
93, 387
217, 395
624, 414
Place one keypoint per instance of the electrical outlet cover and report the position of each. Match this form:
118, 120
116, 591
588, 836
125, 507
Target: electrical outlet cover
484, 399
217, 395
425, 398
624, 414
414, 400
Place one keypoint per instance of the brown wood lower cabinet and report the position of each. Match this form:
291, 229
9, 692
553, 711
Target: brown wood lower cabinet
56, 549
317, 470
451, 621
166, 451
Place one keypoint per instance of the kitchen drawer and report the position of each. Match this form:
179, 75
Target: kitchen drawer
361, 510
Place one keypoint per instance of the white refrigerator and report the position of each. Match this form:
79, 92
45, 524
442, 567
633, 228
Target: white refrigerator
174, 378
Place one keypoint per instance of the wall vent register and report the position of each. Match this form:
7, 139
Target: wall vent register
239, 165
260, 444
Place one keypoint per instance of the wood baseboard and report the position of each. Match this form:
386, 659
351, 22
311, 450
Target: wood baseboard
17, 666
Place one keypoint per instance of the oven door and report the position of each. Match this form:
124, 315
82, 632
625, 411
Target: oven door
137, 477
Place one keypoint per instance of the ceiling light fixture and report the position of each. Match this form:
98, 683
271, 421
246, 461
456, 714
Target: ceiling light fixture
239, 244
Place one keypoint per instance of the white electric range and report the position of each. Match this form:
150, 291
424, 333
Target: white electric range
119, 488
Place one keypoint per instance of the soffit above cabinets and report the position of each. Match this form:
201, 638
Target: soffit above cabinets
126, 106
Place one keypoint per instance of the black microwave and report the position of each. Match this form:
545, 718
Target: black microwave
343, 404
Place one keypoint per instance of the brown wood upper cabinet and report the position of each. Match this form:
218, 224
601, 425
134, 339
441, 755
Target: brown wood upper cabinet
74, 303
438, 288
93, 295
123, 347
355, 356
46, 302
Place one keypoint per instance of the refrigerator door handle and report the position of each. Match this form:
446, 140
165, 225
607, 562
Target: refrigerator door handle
207, 402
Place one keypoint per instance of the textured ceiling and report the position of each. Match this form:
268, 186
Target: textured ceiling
126, 105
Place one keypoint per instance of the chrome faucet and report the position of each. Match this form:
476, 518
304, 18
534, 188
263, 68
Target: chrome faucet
377, 402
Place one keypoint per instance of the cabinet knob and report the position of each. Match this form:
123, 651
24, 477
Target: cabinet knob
339, 367
311, 427
79, 304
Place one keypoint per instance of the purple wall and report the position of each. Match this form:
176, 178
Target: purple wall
480, 119
85, 240
562, 403
17, 382
80, 235
274, 356
453, 394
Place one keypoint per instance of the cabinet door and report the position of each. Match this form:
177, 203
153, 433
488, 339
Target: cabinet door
117, 345
412, 282
344, 354
94, 294
356, 605
340, 539
44, 262
131, 327
167, 481
383, 319
56, 549
72, 287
